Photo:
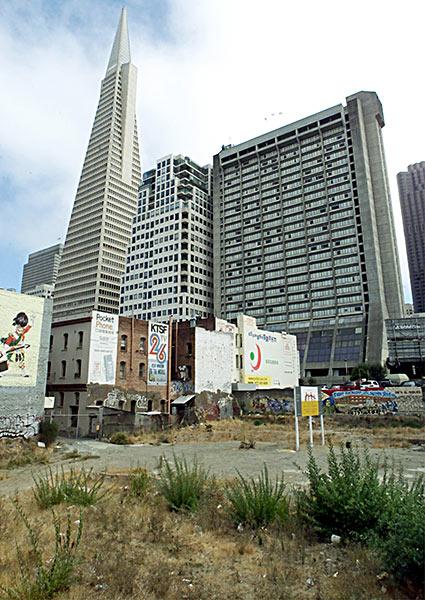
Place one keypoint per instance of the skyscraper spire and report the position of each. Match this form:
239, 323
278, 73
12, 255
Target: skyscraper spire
99, 230
120, 53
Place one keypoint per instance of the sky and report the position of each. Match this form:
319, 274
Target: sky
210, 72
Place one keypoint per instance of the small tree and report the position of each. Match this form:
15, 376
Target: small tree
368, 371
48, 432
360, 371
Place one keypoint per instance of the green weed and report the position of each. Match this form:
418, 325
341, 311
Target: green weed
82, 488
257, 503
182, 485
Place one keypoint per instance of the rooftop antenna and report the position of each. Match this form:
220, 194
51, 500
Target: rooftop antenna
271, 116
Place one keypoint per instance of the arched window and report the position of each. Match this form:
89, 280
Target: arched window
122, 369
63, 368
123, 346
142, 370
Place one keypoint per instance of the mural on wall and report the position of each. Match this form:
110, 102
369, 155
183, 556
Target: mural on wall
158, 354
20, 332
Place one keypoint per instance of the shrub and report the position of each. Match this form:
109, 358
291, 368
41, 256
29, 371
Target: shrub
139, 482
77, 487
48, 432
119, 437
257, 503
182, 485
348, 500
49, 576
401, 534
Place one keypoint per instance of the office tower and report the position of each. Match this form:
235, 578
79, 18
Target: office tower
411, 187
169, 266
304, 235
41, 268
93, 259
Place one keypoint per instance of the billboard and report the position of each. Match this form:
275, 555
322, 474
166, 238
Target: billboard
21, 318
103, 348
158, 354
269, 359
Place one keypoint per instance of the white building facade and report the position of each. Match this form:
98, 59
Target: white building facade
169, 268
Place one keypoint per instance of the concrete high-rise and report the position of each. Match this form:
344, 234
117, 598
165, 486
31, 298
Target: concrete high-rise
304, 237
41, 268
93, 259
169, 268
411, 187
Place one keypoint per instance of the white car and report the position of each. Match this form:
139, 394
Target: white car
369, 384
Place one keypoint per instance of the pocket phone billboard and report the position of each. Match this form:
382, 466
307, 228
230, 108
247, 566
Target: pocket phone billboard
103, 348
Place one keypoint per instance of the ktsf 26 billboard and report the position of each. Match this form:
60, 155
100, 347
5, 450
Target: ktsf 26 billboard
158, 354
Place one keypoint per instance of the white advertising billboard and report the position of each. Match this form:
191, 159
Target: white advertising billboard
269, 359
158, 354
103, 348
21, 319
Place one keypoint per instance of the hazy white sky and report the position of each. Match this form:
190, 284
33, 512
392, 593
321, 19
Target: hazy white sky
210, 73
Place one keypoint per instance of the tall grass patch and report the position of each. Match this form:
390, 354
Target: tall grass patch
45, 578
83, 488
257, 503
182, 485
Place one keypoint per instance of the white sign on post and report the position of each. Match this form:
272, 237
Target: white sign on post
308, 404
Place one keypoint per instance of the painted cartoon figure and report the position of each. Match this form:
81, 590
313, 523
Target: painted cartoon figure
14, 346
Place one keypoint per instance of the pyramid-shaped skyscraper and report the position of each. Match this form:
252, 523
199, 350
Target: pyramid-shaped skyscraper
99, 230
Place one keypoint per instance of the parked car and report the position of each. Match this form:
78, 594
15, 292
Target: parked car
386, 383
409, 384
369, 384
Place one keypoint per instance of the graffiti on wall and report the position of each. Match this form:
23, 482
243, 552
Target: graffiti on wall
181, 387
271, 405
14, 426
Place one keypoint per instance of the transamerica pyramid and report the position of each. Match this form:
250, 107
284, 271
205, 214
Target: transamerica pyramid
99, 230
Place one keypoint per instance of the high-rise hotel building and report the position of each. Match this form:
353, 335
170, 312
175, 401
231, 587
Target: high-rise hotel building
411, 187
304, 236
41, 269
99, 231
169, 269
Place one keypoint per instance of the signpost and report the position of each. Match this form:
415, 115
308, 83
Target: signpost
308, 404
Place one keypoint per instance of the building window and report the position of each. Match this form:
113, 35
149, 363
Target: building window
65, 341
142, 346
189, 348
61, 399
78, 371
74, 416
77, 398
63, 368
142, 370
49, 368
51, 343
122, 370
80, 339
123, 346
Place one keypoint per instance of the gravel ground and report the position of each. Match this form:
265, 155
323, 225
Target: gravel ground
222, 458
